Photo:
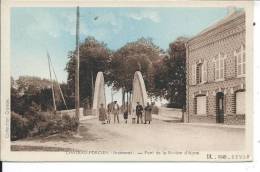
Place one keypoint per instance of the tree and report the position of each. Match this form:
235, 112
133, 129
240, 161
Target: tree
160, 77
134, 56
170, 75
94, 57
27, 89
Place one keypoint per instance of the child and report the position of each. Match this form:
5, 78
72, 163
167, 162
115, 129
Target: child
109, 111
126, 115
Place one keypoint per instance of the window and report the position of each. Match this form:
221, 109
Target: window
199, 72
194, 74
241, 61
219, 66
201, 105
240, 102
205, 71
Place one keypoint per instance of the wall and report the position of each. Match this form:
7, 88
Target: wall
225, 38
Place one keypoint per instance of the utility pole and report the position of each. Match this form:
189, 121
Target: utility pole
92, 88
52, 86
112, 99
77, 103
56, 78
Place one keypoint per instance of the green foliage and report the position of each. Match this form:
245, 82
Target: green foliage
43, 124
94, 57
52, 124
19, 126
30, 85
27, 118
70, 123
26, 90
164, 76
134, 56
32, 114
170, 75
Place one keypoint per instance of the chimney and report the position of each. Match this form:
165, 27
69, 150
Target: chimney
231, 10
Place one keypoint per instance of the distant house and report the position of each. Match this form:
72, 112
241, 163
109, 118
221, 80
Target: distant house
216, 63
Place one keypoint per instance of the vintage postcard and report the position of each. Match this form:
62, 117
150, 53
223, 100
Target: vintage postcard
126, 80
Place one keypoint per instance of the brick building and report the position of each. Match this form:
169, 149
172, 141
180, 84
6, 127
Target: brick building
216, 72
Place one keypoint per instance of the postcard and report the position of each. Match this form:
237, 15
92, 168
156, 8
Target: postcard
126, 81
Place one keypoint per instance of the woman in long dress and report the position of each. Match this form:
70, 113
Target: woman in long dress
102, 114
148, 113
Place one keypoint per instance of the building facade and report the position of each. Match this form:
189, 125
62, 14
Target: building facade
215, 64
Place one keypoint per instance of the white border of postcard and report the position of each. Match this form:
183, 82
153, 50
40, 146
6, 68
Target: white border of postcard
8, 155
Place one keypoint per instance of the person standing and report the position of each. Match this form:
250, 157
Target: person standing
139, 112
116, 110
126, 115
109, 111
102, 114
148, 113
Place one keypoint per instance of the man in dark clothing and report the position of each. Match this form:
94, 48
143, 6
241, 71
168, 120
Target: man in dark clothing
139, 112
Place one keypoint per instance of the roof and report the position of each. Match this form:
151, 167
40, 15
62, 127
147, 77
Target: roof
226, 19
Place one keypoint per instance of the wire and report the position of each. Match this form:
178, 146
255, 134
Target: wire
56, 78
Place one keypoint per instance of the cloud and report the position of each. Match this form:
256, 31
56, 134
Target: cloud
110, 21
144, 15
46, 22
102, 26
55, 24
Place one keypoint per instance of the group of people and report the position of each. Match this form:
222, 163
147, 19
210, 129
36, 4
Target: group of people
147, 113
142, 113
105, 115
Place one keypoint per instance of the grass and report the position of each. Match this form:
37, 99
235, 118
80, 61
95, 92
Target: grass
39, 148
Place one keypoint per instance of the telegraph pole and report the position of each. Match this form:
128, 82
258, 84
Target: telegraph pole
77, 103
56, 78
92, 87
52, 86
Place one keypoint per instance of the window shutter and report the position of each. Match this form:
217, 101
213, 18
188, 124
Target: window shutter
221, 68
244, 60
240, 61
216, 69
204, 71
244, 63
224, 70
239, 64
194, 74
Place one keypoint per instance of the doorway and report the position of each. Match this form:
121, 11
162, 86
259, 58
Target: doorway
220, 107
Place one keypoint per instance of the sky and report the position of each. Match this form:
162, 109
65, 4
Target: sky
34, 31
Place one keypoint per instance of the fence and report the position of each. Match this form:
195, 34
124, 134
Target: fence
72, 112
170, 112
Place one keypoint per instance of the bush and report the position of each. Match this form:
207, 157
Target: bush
70, 123
33, 115
41, 124
53, 124
28, 120
19, 126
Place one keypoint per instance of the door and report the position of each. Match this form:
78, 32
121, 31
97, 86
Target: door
220, 107
240, 102
201, 105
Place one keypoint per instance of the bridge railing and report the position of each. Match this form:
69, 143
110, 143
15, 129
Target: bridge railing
71, 112
170, 112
